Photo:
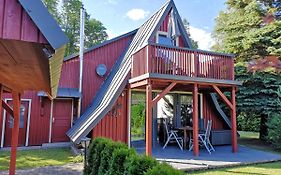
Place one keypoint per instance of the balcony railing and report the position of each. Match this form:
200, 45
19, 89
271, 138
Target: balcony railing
160, 59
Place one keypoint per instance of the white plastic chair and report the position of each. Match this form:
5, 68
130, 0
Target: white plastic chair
204, 139
172, 136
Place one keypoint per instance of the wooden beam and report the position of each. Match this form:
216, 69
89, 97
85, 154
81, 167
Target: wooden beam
1, 94
163, 93
148, 121
224, 98
15, 132
195, 121
7, 107
233, 122
138, 84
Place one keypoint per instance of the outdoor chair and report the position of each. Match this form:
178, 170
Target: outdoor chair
172, 136
204, 139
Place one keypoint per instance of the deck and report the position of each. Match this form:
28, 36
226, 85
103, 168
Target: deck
185, 160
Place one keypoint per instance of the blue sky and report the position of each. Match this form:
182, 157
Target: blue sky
121, 16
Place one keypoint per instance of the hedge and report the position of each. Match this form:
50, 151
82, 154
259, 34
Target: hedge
106, 157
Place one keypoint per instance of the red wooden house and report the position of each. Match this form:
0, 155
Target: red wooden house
32, 47
156, 59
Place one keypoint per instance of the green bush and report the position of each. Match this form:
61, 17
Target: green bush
138, 119
139, 165
94, 158
163, 169
248, 123
274, 131
106, 156
119, 157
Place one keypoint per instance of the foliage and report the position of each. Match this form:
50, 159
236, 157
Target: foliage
241, 30
274, 131
69, 20
106, 156
256, 99
138, 118
248, 123
273, 6
39, 158
163, 169
95, 155
193, 42
119, 157
139, 165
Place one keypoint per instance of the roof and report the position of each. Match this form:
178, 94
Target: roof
64, 93
133, 32
118, 77
45, 22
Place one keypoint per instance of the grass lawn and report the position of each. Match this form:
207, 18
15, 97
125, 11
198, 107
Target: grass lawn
261, 169
251, 139
38, 158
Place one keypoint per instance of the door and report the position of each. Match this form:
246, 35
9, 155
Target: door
9, 124
61, 122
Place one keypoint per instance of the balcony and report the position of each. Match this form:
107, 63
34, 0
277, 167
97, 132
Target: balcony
175, 61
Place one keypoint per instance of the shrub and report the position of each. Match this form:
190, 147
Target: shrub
94, 157
163, 169
274, 131
248, 123
138, 119
138, 165
119, 157
106, 156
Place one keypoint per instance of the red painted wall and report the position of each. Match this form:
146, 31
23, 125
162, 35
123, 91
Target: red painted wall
209, 113
115, 124
16, 24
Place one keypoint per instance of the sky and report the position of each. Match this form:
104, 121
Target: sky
121, 16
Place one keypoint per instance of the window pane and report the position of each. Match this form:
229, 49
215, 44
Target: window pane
162, 39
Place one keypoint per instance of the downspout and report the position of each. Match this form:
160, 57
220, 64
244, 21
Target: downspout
81, 56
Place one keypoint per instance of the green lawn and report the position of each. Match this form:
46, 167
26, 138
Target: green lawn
261, 169
251, 139
38, 158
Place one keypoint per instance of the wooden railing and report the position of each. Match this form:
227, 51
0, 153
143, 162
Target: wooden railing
159, 59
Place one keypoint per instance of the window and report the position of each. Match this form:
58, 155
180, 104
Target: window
11, 119
162, 38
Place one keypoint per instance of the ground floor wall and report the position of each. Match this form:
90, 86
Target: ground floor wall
41, 123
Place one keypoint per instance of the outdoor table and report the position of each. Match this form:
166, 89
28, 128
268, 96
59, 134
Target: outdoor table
187, 130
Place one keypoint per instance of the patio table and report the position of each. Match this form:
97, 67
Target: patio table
187, 132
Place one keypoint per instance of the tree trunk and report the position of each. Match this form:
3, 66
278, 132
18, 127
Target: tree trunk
263, 127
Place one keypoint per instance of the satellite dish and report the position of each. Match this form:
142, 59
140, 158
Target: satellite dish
101, 70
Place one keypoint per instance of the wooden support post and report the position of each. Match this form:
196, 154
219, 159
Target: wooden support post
15, 132
163, 93
223, 97
148, 121
233, 122
195, 121
1, 94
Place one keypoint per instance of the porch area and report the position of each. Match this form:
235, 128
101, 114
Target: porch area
185, 160
160, 70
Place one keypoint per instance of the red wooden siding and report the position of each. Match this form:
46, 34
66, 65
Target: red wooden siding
16, 24
115, 124
210, 114
107, 55
39, 118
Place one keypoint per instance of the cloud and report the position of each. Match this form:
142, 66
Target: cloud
111, 2
204, 38
111, 34
137, 14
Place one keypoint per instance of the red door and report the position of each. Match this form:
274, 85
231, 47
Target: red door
62, 113
23, 124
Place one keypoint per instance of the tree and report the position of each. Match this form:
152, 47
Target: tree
241, 29
69, 20
52, 7
193, 42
